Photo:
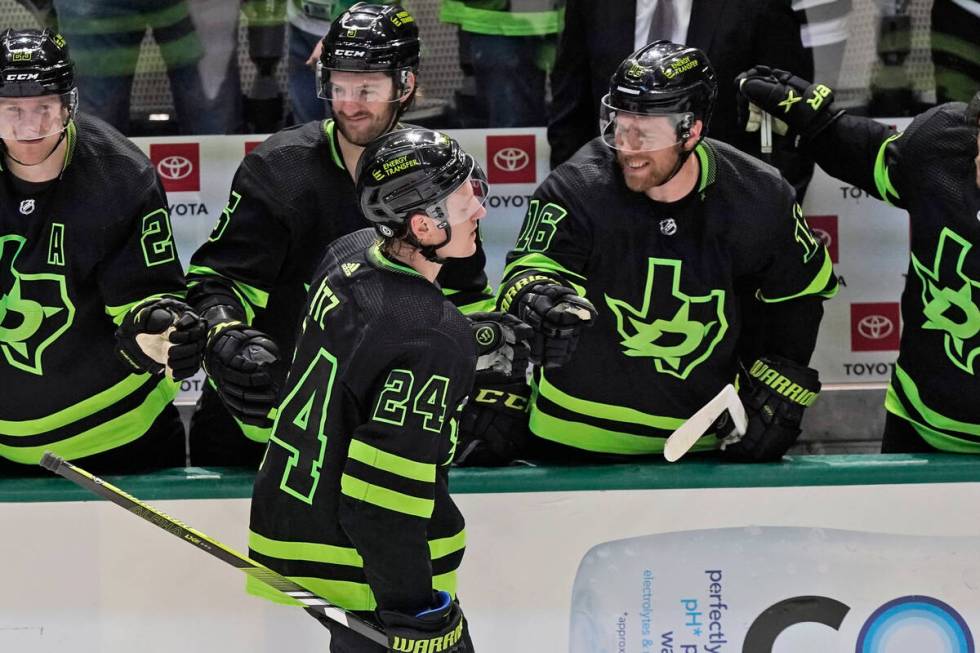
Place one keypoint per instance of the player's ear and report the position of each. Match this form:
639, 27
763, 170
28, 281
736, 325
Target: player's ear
419, 225
694, 135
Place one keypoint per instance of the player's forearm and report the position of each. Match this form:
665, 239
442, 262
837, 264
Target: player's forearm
849, 150
397, 562
790, 329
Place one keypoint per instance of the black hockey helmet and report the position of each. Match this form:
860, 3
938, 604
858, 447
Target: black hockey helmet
413, 171
34, 62
663, 78
370, 38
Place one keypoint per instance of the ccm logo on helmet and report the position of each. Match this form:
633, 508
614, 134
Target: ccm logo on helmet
348, 53
20, 77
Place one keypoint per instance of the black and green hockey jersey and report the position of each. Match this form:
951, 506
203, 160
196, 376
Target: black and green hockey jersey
928, 170
75, 255
352, 497
670, 283
290, 198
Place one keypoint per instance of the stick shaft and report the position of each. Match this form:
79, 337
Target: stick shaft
313, 603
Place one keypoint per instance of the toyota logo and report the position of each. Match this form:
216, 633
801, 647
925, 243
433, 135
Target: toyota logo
823, 236
175, 167
875, 327
511, 159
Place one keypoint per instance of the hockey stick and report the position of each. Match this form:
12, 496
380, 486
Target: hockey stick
315, 605
681, 440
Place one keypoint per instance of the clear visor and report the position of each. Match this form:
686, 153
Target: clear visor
464, 202
31, 118
640, 132
361, 86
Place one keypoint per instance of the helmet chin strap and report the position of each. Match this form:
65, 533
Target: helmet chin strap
428, 252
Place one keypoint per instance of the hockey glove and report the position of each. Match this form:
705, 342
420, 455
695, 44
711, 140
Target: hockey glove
437, 629
161, 335
805, 106
775, 396
502, 348
555, 312
493, 428
241, 363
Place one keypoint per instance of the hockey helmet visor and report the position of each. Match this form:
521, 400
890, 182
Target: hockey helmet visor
363, 87
630, 131
36, 117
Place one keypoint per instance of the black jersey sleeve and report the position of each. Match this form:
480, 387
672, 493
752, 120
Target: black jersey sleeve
555, 239
864, 153
394, 472
242, 258
139, 255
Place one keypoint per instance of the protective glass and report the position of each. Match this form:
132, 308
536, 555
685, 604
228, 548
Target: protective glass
361, 86
640, 132
29, 118
465, 200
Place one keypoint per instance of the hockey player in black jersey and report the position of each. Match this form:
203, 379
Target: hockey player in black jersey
352, 499
932, 169
291, 196
697, 261
86, 252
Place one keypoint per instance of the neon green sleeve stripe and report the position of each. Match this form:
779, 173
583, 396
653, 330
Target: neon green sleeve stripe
389, 462
447, 545
544, 263
255, 296
385, 498
314, 552
883, 180
117, 313
819, 285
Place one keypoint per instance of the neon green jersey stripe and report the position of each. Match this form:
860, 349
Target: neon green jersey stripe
933, 419
107, 435
389, 462
311, 551
823, 284
255, 296
538, 261
447, 545
385, 498
506, 23
883, 180
605, 411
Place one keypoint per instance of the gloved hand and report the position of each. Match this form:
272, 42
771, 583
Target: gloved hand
501, 345
775, 395
241, 363
557, 314
493, 427
161, 335
806, 107
436, 629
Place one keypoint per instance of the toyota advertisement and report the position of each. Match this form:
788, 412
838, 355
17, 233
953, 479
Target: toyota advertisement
867, 239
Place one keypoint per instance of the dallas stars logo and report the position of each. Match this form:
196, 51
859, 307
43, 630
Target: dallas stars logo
678, 331
948, 300
34, 309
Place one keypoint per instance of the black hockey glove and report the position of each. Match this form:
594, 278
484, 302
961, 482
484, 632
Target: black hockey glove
775, 396
502, 347
241, 363
555, 312
806, 107
161, 335
437, 629
493, 428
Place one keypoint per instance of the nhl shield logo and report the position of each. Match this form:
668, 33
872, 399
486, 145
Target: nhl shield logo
668, 227
27, 207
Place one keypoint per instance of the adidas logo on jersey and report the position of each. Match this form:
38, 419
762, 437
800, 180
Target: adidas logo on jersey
350, 268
